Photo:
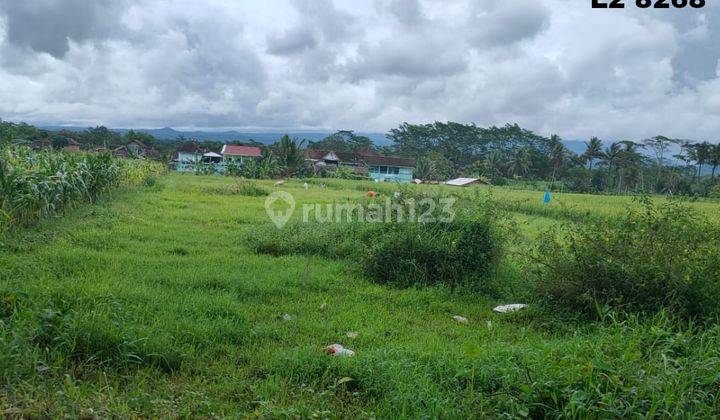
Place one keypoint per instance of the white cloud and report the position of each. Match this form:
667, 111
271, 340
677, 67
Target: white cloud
552, 66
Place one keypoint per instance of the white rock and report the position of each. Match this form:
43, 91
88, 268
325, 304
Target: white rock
509, 308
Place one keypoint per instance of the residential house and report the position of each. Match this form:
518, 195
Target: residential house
121, 152
188, 155
136, 149
239, 154
366, 162
41, 145
72, 146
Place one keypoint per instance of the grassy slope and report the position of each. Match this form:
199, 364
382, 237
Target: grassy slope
150, 305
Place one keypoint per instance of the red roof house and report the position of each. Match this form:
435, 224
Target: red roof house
240, 153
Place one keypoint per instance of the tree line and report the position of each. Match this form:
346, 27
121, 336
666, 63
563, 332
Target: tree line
512, 154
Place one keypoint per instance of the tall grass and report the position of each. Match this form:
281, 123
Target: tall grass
35, 184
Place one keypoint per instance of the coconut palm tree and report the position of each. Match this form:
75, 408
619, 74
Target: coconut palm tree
703, 153
425, 168
630, 164
290, 155
520, 161
715, 158
593, 150
557, 155
610, 158
495, 162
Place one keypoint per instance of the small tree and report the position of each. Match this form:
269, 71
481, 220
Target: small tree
290, 156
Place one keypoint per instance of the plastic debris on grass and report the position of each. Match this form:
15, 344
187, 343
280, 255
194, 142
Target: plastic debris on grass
352, 334
287, 317
503, 309
371, 194
339, 350
461, 319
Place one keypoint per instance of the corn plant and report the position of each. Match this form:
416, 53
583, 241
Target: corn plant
35, 184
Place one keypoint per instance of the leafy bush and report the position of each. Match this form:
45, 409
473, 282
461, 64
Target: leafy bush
654, 257
421, 254
461, 252
241, 187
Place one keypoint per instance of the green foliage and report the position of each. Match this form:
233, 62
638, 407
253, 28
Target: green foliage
35, 184
461, 252
290, 156
151, 305
343, 141
653, 258
433, 166
241, 187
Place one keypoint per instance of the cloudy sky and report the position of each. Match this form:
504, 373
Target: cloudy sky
554, 66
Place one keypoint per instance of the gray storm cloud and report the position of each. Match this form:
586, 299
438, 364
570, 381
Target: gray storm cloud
550, 65
50, 25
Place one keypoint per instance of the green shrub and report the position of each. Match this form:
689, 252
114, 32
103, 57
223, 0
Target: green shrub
241, 187
327, 240
655, 257
249, 188
461, 252
421, 254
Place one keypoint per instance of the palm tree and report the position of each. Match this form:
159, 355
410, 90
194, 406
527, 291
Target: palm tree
556, 156
715, 158
290, 155
629, 164
703, 153
494, 161
520, 161
610, 158
593, 150
425, 168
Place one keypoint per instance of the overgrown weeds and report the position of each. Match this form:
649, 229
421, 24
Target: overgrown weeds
242, 187
654, 257
462, 251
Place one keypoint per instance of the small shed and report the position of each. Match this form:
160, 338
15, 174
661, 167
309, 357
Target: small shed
212, 157
465, 182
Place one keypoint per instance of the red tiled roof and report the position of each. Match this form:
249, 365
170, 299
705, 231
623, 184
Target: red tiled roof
241, 150
189, 147
316, 154
369, 157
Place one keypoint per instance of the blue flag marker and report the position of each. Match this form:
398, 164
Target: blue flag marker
547, 198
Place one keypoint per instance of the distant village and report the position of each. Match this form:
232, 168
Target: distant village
365, 163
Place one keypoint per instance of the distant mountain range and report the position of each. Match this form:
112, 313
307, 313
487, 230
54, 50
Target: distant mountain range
265, 137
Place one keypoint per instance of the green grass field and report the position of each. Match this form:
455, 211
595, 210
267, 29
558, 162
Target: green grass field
150, 304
